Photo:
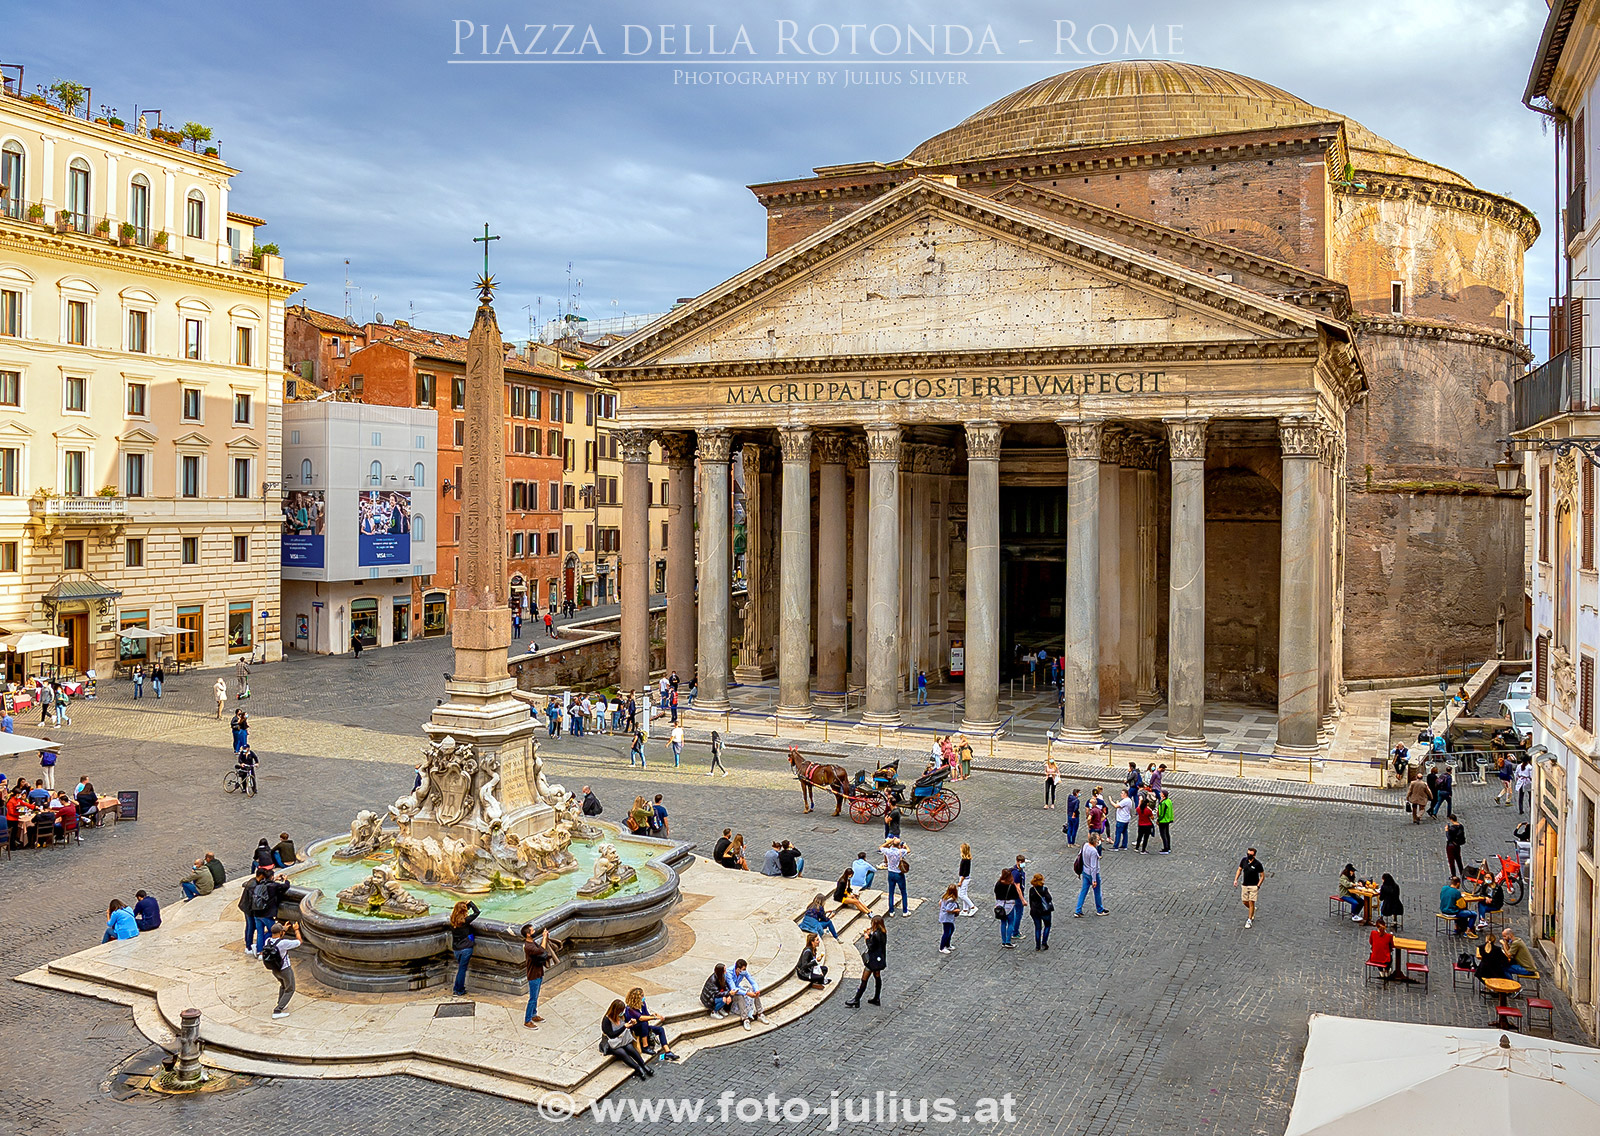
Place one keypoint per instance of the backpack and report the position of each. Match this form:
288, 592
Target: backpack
271, 956
1077, 865
47, 759
260, 899
1466, 961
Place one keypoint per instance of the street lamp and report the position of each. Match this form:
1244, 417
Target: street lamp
1508, 471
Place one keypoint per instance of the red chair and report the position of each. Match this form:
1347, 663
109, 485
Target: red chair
1509, 1016
1415, 967
1456, 971
1542, 1012
1377, 969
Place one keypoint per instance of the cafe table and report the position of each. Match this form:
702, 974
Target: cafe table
1401, 948
1367, 894
1502, 988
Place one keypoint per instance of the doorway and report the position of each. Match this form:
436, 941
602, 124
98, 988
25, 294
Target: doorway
75, 655
402, 620
1583, 978
191, 643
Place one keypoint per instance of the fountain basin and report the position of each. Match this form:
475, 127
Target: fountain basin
360, 952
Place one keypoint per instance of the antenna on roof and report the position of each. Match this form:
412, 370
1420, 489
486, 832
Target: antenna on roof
347, 289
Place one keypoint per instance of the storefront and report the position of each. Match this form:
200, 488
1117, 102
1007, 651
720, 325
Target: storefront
435, 614
364, 621
401, 632
241, 627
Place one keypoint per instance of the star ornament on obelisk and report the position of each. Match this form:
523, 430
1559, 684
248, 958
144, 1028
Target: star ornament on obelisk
486, 283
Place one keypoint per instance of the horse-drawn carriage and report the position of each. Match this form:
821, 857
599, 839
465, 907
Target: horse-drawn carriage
932, 802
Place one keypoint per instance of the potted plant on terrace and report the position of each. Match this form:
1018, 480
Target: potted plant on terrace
68, 94
160, 241
63, 220
194, 134
108, 491
36, 212
126, 233
117, 123
102, 227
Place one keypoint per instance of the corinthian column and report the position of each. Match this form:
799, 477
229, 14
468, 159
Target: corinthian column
1111, 583
1186, 618
1128, 581
983, 577
883, 575
1081, 678
716, 569
1299, 677
794, 575
831, 569
635, 590
678, 449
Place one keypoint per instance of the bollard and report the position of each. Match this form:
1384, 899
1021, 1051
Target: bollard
1308, 772
1241, 763
725, 721
187, 1071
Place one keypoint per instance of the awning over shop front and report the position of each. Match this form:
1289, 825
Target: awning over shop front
78, 587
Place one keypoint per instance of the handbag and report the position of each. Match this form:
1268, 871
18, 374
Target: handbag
999, 911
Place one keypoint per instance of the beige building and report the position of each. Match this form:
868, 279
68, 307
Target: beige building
141, 388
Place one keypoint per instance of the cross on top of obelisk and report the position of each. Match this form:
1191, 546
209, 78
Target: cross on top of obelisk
485, 282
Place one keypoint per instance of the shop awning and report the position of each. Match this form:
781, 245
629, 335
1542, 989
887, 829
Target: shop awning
79, 587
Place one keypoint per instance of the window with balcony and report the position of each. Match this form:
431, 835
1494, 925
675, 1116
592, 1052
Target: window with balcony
139, 208
78, 322
134, 468
133, 552
425, 388
189, 551
242, 409
13, 186
74, 472
244, 344
10, 312
192, 404
11, 388
138, 331
189, 476
194, 215
10, 470
72, 555
78, 195
241, 549
241, 478
194, 339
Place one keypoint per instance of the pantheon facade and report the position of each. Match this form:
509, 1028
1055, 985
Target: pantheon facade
1148, 365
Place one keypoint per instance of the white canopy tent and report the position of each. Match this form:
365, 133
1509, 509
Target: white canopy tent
15, 745
26, 642
1364, 1077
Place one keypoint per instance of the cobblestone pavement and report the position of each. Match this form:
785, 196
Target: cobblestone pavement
1166, 1016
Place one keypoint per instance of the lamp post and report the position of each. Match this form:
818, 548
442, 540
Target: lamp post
1508, 471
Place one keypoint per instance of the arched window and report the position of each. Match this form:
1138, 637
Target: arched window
375, 473
419, 527
139, 208
78, 194
305, 471
417, 474
13, 186
194, 214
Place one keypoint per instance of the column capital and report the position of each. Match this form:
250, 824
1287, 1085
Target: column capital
794, 443
983, 440
635, 445
1298, 437
929, 459
715, 445
1186, 437
1139, 453
832, 447
1116, 445
677, 448
883, 442
1084, 437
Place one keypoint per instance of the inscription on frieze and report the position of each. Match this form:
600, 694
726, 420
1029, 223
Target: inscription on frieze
954, 387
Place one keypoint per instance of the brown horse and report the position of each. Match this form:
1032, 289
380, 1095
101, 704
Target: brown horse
813, 776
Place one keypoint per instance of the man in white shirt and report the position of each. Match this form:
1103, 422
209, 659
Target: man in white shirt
894, 863
747, 994
1124, 816
677, 746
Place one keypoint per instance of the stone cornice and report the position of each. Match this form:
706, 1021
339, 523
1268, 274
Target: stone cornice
30, 238
1430, 329
1464, 199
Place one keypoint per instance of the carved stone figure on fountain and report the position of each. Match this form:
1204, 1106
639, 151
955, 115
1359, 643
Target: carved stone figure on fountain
367, 837
379, 894
610, 873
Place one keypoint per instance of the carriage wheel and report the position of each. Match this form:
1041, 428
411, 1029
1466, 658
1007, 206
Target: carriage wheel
860, 809
939, 810
878, 806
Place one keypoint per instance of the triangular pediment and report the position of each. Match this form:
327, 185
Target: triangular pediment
138, 436
244, 442
192, 438
76, 434
930, 268
14, 429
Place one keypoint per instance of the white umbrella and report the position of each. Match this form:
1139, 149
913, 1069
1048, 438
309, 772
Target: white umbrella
166, 629
14, 745
1363, 1077
139, 633
26, 642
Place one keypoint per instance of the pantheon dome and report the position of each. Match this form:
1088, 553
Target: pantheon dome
1148, 100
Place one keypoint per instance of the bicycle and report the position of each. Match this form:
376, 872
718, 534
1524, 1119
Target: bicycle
239, 781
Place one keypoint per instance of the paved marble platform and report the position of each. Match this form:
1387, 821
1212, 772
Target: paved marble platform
197, 960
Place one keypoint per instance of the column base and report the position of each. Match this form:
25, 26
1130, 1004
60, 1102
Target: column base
1149, 699
755, 674
794, 713
1189, 746
967, 727
1295, 753
1072, 735
704, 705
889, 721
1130, 710
828, 701
1111, 723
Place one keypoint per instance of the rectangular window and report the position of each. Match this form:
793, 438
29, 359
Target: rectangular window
588, 410
191, 550
133, 471
533, 544
1586, 824
138, 404
191, 404
74, 472
244, 342
10, 312
241, 628
555, 406
1586, 693
11, 388
457, 528
241, 478
8, 556
569, 455
535, 403
189, 475
460, 433
10, 470
139, 332
663, 534
569, 497
566, 535
457, 490
1541, 668
1587, 553
241, 549
517, 403
133, 552
194, 216
75, 394
1397, 297
194, 339
516, 545
241, 410
1544, 514
458, 392
358, 384
588, 456
552, 443
78, 322
664, 485
516, 439
571, 398
588, 537
555, 495
424, 389
72, 554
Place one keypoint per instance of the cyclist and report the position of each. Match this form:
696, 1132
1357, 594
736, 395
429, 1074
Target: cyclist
244, 763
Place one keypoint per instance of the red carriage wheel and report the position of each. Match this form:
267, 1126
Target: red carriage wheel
938, 810
861, 809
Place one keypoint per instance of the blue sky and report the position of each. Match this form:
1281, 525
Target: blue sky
357, 137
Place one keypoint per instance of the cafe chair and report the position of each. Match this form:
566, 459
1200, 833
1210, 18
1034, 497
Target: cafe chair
1375, 970
1415, 966
1336, 906
1509, 1016
1541, 1012
1530, 983
44, 834
1456, 971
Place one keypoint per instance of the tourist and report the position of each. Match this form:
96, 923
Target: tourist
1418, 796
158, 678
283, 852
1382, 953
1452, 903
891, 823
591, 803
1133, 781
1389, 905
263, 892
47, 701
636, 750
618, 714
8, 724
66, 811
716, 755
241, 673
218, 875
895, 864
663, 689
88, 803
618, 1040
1158, 779
47, 764
1005, 906
1455, 835
808, 968
963, 879
63, 700
922, 688
549, 625
1494, 899
769, 862
876, 938
677, 742
1348, 881
633, 712
844, 895
639, 817
462, 939
552, 714
1019, 882
747, 994
355, 646
949, 908
672, 705
263, 855
1164, 822
146, 911
1097, 813
1040, 907
138, 680
734, 856
722, 845
1524, 782
790, 862
1051, 773
221, 692
1491, 961
1074, 804
1088, 866
516, 627
645, 1025
1146, 816
862, 873
716, 995
963, 757
659, 821
281, 939
1507, 775
245, 761
815, 919
197, 883
120, 923
1519, 959
536, 956
1443, 793
1248, 880
1124, 818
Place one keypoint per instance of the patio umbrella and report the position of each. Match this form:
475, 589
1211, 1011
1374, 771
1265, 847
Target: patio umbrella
26, 642
1362, 1077
139, 633
15, 745
166, 629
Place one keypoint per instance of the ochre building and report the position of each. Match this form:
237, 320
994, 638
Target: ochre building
1151, 365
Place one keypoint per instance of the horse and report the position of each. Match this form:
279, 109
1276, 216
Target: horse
832, 778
